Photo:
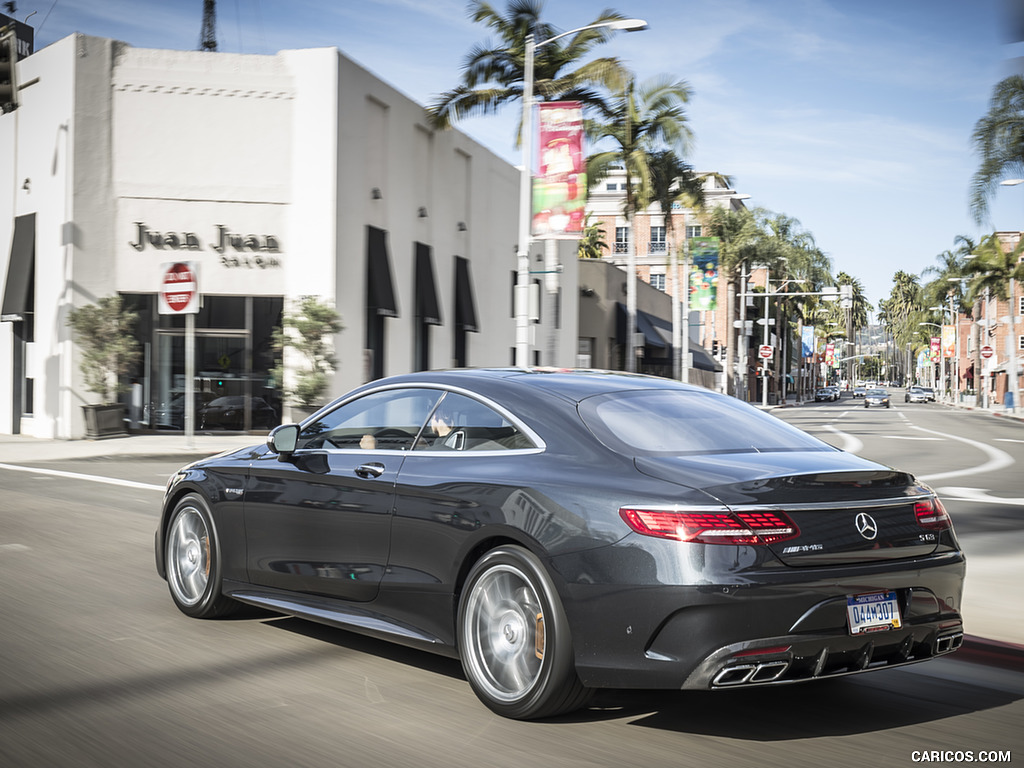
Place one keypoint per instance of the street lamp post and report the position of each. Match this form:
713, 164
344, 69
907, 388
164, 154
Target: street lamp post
522, 301
942, 359
1012, 381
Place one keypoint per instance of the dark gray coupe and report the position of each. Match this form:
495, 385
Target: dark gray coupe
560, 531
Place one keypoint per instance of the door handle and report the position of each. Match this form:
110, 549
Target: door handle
371, 469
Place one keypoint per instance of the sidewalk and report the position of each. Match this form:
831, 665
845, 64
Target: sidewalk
19, 449
992, 637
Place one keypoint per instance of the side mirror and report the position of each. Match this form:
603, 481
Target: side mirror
283, 439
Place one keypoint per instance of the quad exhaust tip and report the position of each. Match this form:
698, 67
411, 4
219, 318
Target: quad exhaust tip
744, 674
949, 643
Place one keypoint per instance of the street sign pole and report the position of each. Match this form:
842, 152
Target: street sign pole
190, 380
179, 295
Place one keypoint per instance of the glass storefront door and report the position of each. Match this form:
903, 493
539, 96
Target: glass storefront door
234, 359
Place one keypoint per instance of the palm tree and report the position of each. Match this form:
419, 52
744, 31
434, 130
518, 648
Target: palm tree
742, 241
635, 123
999, 139
492, 76
673, 179
997, 270
592, 244
949, 285
901, 312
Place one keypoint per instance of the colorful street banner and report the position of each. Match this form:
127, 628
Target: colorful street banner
807, 341
936, 349
704, 275
560, 188
948, 340
830, 355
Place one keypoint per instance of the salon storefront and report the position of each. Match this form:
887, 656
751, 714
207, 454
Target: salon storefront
238, 255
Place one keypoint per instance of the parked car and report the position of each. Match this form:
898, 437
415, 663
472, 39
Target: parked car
915, 395
171, 414
561, 531
877, 397
228, 412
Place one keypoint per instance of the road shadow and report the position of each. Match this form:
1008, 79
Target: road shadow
853, 705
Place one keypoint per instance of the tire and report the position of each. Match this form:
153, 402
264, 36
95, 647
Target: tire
192, 555
514, 639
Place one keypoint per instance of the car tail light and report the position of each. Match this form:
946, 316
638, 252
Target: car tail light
760, 527
931, 514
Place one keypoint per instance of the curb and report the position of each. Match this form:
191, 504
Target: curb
993, 653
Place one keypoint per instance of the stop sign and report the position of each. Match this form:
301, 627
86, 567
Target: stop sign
764, 351
179, 289
987, 351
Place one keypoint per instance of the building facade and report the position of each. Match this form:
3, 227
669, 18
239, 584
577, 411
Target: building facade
655, 234
276, 177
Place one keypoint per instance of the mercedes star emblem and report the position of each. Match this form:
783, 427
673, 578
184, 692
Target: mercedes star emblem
866, 525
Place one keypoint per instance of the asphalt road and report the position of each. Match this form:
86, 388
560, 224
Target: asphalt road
97, 667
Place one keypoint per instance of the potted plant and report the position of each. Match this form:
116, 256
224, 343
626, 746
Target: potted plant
308, 331
109, 352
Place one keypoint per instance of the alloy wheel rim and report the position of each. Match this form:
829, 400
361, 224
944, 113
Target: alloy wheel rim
189, 556
504, 630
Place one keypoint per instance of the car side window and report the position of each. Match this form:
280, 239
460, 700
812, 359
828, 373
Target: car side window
460, 423
386, 420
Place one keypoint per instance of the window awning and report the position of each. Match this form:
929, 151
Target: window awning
658, 334
380, 289
20, 267
427, 309
465, 307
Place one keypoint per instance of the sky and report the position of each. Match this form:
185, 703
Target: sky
852, 116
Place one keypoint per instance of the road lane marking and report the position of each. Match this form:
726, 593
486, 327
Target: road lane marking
1008, 440
909, 437
997, 459
850, 443
975, 494
79, 476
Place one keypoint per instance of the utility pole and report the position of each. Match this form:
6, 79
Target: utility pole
208, 36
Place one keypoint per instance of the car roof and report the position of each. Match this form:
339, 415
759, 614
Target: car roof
569, 383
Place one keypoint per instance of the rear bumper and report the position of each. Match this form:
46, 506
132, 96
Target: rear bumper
770, 626
823, 656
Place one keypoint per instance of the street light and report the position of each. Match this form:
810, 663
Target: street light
942, 359
525, 207
1014, 341
828, 293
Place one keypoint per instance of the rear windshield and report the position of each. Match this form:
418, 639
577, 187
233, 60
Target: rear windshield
686, 422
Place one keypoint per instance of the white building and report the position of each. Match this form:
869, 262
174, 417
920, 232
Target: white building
278, 177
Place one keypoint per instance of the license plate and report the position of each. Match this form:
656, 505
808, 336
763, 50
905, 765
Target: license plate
873, 612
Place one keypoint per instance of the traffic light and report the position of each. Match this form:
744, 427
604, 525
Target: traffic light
8, 71
714, 348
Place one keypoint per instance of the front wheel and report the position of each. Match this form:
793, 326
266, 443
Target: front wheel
514, 638
193, 561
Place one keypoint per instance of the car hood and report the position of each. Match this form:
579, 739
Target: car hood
826, 494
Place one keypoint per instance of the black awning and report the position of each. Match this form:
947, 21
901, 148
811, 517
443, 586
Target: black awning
703, 360
465, 307
658, 335
380, 289
20, 267
427, 309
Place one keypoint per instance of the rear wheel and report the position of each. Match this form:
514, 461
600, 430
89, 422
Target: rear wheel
193, 561
514, 639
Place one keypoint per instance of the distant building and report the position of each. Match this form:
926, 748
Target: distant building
280, 177
605, 208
